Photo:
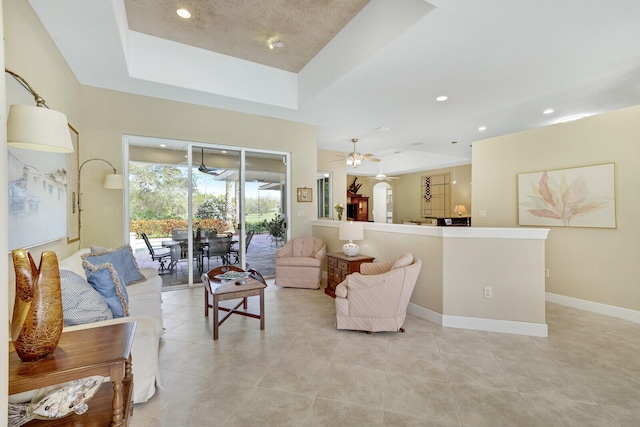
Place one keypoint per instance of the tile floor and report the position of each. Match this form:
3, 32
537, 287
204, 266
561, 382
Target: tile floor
301, 371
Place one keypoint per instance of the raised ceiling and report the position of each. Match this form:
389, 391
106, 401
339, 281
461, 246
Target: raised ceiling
500, 62
244, 28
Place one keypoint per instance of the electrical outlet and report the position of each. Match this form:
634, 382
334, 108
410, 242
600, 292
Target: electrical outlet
482, 213
546, 272
488, 292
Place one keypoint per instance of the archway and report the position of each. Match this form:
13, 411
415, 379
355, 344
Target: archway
383, 203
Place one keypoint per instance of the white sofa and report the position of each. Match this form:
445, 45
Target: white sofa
145, 308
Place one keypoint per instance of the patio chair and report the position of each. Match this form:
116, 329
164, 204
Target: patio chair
157, 254
219, 247
235, 246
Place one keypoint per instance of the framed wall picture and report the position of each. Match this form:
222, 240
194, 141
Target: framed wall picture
575, 197
73, 215
37, 197
305, 194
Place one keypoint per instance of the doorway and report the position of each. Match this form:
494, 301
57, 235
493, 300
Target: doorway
383, 203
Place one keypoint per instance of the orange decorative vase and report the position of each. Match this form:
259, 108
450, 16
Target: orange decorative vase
37, 314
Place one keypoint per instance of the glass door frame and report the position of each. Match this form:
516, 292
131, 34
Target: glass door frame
189, 146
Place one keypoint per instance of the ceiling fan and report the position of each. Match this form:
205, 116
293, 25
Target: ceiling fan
382, 177
210, 171
354, 158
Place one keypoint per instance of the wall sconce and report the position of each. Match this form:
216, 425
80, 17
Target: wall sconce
37, 128
112, 181
351, 231
460, 209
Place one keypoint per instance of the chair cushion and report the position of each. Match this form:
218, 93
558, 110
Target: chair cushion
404, 261
305, 246
81, 303
105, 279
122, 260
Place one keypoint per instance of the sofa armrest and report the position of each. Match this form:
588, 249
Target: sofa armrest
145, 325
370, 268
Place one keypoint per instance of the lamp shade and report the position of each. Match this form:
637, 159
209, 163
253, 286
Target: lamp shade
38, 128
114, 181
351, 231
460, 209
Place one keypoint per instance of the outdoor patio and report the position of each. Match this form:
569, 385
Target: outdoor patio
261, 255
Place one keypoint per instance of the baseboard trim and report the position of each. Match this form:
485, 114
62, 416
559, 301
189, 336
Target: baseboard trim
480, 324
594, 307
425, 313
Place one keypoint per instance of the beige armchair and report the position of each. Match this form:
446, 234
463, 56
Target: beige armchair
299, 263
376, 299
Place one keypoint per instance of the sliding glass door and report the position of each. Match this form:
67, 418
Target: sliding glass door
200, 206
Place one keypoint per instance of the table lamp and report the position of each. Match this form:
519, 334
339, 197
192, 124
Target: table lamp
351, 231
460, 209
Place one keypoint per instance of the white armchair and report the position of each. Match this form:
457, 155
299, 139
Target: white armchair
376, 299
299, 262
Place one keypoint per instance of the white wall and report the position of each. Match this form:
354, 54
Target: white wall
592, 264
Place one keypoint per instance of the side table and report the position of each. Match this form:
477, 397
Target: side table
339, 266
101, 351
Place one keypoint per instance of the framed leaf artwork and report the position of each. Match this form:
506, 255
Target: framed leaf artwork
574, 197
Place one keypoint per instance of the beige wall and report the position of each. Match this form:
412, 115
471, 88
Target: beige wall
108, 115
4, 247
512, 268
592, 264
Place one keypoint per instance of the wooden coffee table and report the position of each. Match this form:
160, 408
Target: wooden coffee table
229, 290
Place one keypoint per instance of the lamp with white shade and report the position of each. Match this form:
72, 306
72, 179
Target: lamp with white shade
351, 231
37, 127
112, 181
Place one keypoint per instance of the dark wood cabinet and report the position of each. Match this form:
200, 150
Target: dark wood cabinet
358, 208
339, 266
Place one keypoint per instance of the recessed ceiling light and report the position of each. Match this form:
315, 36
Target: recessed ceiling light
383, 129
183, 13
548, 111
482, 128
442, 98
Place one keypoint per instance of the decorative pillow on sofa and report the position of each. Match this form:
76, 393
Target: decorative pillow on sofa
122, 260
105, 279
80, 302
404, 261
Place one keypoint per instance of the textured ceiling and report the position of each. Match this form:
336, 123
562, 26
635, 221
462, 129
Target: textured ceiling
243, 28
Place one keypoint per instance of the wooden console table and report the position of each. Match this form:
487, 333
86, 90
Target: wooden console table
339, 266
101, 351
